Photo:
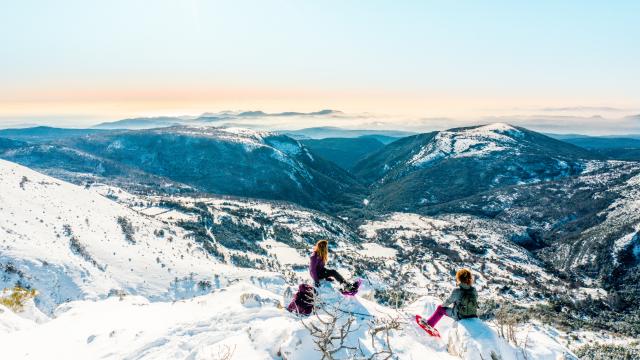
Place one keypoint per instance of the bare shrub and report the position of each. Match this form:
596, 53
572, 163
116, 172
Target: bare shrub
23, 182
79, 249
16, 298
225, 352
380, 331
330, 327
508, 318
127, 229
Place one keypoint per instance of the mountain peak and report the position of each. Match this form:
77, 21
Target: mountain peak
498, 126
465, 142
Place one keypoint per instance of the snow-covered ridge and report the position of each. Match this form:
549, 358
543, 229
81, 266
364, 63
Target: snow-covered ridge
477, 141
283, 149
626, 207
251, 139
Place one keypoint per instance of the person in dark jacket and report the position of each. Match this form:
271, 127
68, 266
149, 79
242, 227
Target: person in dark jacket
461, 304
317, 268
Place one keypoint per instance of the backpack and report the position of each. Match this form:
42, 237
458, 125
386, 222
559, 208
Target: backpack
303, 301
467, 307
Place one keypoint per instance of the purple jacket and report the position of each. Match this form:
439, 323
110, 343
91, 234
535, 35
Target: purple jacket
316, 265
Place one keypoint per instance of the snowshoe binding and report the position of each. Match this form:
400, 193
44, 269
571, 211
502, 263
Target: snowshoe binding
351, 289
426, 327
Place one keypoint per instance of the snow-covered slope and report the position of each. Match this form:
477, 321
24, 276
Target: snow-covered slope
479, 141
243, 321
437, 246
71, 243
587, 223
425, 250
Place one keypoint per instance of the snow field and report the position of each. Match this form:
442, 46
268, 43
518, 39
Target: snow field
243, 320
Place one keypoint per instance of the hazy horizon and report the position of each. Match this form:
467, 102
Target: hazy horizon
558, 124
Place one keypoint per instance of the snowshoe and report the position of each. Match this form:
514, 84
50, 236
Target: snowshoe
426, 327
351, 289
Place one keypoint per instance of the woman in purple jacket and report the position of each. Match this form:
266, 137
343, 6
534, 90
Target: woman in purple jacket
317, 267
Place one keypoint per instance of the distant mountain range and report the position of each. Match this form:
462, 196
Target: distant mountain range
44, 133
625, 147
142, 123
224, 116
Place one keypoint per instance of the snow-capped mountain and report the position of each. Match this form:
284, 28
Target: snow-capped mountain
479, 142
442, 166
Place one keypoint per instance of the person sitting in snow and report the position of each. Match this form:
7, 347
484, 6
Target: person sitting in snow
464, 301
318, 270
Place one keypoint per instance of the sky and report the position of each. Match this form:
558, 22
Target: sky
78, 62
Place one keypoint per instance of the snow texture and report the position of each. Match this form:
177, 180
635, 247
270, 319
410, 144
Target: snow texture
479, 141
209, 326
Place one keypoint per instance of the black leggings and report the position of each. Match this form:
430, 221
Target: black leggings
330, 273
